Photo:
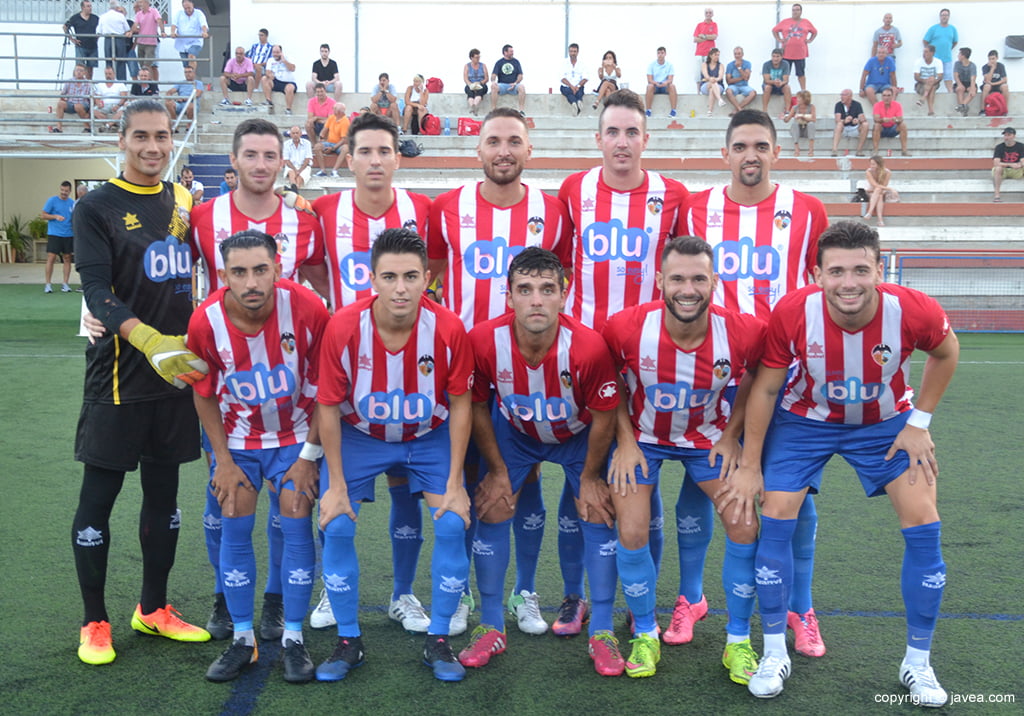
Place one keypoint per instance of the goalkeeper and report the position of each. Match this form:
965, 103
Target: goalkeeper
137, 412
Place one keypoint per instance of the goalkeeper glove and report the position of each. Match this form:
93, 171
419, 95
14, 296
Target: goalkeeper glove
168, 355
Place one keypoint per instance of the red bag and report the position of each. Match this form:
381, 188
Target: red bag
995, 105
430, 125
434, 84
469, 127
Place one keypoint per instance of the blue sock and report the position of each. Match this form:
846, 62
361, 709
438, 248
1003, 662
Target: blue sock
639, 582
341, 572
297, 565
599, 547
490, 557
405, 525
922, 581
738, 582
570, 543
275, 544
528, 525
449, 570
656, 535
773, 569
803, 557
695, 524
238, 567
212, 527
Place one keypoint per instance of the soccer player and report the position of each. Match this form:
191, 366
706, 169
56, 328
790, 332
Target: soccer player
680, 354
132, 253
851, 337
260, 335
395, 377
554, 399
764, 237
352, 219
475, 232
256, 159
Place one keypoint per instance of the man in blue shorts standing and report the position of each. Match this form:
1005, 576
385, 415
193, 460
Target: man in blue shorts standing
59, 241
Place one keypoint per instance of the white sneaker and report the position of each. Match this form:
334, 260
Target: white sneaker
248, 102
322, 617
525, 606
924, 687
334, 174
460, 619
408, 610
771, 674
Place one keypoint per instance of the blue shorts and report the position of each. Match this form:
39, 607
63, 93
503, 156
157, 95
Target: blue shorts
507, 88
83, 56
694, 461
878, 87
270, 464
893, 131
772, 89
521, 452
796, 450
191, 50
741, 88
661, 90
425, 461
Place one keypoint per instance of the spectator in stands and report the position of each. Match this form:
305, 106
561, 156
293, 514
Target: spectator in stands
74, 97
325, 72
574, 80
298, 157
279, 76
609, 74
993, 79
416, 98
879, 189
943, 38
148, 28
238, 76
114, 26
86, 48
795, 34
965, 76
189, 29
385, 99
737, 77
318, 109
109, 99
712, 75
194, 187
776, 80
888, 38
230, 182
889, 122
1007, 161
879, 73
333, 140
143, 87
704, 36
507, 78
177, 96
804, 115
927, 78
660, 76
474, 75
260, 53
850, 122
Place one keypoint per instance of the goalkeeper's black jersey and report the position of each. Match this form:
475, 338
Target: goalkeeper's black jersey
131, 249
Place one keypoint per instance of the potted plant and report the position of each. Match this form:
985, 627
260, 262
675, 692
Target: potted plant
16, 233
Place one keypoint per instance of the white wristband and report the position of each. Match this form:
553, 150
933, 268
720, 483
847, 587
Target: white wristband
919, 419
311, 452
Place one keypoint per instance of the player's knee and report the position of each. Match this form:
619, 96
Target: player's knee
449, 524
341, 526
634, 534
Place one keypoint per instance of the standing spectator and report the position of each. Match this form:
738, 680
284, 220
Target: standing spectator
325, 72
660, 76
887, 37
929, 75
189, 30
965, 74
1007, 161
474, 75
795, 34
507, 78
878, 178
74, 96
737, 78
850, 122
385, 100
712, 74
574, 79
775, 73
609, 75
879, 73
333, 140
943, 38
238, 76
148, 28
109, 99
192, 186
993, 79
804, 116
888, 115
86, 48
259, 53
705, 34
318, 109
114, 25
416, 98
59, 242
298, 157
279, 76
177, 96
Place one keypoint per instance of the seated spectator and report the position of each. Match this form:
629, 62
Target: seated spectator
318, 109
474, 75
804, 115
230, 182
143, 87
879, 191
889, 122
879, 73
259, 53
333, 141
1007, 161
238, 76
993, 75
298, 157
660, 76
737, 78
74, 97
574, 80
712, 75
609, 74
280, 77
109, 99
507, 78
775, 74
850, 122
195, 187
177, 96
416, 96
325, 72
147, 29
965, 81
927, 79
385, 99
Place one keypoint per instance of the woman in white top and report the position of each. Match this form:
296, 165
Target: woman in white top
804, 115
416, 96
878, 187
608, 75
712, 75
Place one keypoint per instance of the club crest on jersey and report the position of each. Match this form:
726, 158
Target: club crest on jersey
722, 368
355, 270
489, 258
743, 259
604, 241
261, 384
654, 205
131, 221
282, 241
783, 219
671, 397
851, 391
566, 378
881, 354
288, 343
426, 364
168, 259
535, 224
395, 407
535, 408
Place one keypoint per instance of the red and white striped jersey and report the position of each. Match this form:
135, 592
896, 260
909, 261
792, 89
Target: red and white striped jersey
762, 252
298, 235
349, 234
265, 382
856, 378
676, 396
400, 395
550, 402
479, 240
618, 240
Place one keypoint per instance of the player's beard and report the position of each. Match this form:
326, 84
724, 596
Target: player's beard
702, 307
751, 179
502, 179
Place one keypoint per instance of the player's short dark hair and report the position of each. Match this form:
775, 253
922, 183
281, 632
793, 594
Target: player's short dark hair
66, 183
662, 49
230, 170
248, 239
849, 235
623, 98
258, 126
688, 246
535, 260
750, 116
371, 120
141, 106
505, 112
325, 46
264, 31
397, 241
966, 51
